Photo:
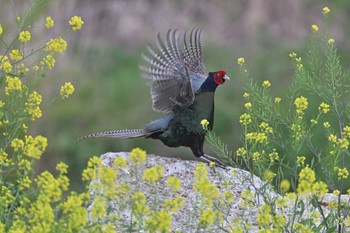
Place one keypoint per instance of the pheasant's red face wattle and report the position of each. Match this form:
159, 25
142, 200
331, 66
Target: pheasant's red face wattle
220, 77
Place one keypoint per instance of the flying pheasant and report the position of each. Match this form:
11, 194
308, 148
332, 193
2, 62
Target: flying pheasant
181, 88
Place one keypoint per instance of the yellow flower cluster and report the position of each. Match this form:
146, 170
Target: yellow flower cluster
267, 218
248, 105
241, 152
24, 36
257, 137
66, 90
314, 28
325, 108
138, 156
119, 162
343, 173
153, 174
32, 105
49, 61
13, 84
326, 10
139, 206
173, 205
308, 185
204, 123
31, 147
90, 172
245, 119
1, 30
240, 61
159, 222
49, 23
265, 127
277, 100
5, 64
57, 45
203, 185
207, 217
16, 55
301, 104
285, 185
331, 41
76, 23
174, 182
266, 84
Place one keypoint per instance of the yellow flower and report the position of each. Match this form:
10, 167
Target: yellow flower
153, 174
49, 23
0, 30
245, 119
269, 175
56, 45
17, 144
204, 123
324, 107
24, 36
293, 55
159, 222
6, 67
325, 10
300, 104
266, 84
264, 215
32, 105
332, 138
137, 156
326, 125
266, 127
314, 28
76, 23
248, 105
346, 131
66, 90
313, 121
62, 168
50, 61
277, 100
139, 203
13, 84
16, 55
174, 182
343, 173
344, 143
207, 217
35, 147
119, 162
336, 192
240, 61
241, 152
285, 185
301, 160
173, 205
246, 95
331, 41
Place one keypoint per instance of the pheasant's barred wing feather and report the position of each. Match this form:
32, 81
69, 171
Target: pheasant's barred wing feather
173, 70
193, 52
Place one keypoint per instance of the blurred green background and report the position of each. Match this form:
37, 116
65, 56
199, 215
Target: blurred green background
102, 63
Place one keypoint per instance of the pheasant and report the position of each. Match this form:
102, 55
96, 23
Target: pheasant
181, 88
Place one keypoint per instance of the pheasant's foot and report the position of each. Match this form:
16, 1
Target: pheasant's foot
210, 159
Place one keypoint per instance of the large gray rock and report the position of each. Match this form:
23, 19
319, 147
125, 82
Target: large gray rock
242, 212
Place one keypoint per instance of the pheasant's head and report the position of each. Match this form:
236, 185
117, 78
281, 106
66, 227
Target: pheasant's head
220, 77
214, 79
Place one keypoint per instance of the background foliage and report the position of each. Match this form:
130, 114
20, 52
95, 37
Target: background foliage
102, 62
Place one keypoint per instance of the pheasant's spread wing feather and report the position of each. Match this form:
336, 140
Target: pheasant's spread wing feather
176, 73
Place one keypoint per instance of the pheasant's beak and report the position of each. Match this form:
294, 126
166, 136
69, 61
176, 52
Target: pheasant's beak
226, 77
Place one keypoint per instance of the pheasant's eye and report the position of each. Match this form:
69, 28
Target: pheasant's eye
217, 74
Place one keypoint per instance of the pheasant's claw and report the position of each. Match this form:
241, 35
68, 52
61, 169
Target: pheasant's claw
210, 159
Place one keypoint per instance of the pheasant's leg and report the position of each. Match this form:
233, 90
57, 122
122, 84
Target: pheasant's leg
210, 159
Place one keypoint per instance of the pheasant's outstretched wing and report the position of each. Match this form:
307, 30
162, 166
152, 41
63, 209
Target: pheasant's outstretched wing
176, 73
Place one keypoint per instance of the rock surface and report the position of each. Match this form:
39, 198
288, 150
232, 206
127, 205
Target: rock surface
186, 219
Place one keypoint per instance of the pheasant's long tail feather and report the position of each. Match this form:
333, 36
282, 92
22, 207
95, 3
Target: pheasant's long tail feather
124, 133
